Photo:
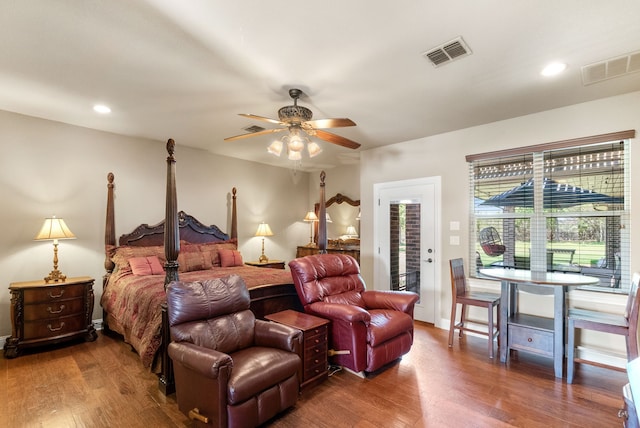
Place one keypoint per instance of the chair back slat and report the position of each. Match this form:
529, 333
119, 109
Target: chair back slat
458, 278
632, 314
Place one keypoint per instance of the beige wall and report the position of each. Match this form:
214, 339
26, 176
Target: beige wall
48, 168
444, 155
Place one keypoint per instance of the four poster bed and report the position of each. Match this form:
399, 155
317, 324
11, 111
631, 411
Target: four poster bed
134, 299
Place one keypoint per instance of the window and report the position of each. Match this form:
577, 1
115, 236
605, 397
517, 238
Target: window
555, 207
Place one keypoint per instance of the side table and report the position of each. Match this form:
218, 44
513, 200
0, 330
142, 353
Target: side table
315, 332
50, 313
273, 264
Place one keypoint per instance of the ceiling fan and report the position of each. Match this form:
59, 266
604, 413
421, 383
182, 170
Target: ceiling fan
296, 118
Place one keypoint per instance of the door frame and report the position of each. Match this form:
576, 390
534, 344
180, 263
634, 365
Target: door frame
378, 264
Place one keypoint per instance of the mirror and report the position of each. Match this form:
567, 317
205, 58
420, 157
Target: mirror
343, 212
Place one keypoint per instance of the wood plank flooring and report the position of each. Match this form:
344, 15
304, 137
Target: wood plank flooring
103, 384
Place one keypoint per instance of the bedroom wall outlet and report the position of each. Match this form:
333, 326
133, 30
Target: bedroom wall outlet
454, 225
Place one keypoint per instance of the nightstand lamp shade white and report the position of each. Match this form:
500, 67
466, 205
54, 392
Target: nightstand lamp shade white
263, 230
351, 232
54, 229
311, 217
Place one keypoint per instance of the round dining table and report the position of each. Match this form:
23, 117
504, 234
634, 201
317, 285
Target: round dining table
540, 335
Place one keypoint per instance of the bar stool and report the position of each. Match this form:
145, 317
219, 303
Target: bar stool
462, 295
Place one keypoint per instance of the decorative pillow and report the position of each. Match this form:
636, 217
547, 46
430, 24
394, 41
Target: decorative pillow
215, 247
191, 261
229, 258
121, 255
146, 265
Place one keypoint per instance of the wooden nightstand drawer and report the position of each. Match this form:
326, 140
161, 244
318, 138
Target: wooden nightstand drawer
45, 313
54, 309
315, 345
53, 293
53, 327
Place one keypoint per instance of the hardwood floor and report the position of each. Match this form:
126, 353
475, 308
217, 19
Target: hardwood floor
103, 384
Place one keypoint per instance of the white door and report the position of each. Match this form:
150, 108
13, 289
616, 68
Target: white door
407, 237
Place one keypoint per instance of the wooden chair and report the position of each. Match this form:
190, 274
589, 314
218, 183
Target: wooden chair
461, 294
624, 325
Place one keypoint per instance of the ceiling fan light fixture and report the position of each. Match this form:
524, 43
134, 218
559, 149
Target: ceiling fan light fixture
295, 156
275, 148
314, 149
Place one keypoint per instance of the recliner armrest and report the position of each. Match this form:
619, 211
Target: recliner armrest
274, 335
383, 299
339, 311
204, 361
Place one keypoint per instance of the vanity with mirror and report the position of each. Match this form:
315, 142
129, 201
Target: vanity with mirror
343, 228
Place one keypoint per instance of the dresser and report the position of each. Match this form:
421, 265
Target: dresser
315, 343
351, 250
50, 313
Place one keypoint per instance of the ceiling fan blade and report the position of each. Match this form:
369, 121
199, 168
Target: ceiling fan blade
336, 139
262, 118
255, 134
330, 123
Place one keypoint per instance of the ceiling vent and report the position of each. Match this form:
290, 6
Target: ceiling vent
447, 52
254, 128
608, 69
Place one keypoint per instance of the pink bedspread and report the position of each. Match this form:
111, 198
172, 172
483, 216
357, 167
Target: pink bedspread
132, 303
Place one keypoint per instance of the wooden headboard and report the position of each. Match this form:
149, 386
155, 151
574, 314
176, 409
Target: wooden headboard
177, 226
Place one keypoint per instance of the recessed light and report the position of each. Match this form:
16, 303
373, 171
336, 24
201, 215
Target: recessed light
553, 69
101, 108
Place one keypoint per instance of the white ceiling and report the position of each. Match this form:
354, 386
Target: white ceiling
184, 69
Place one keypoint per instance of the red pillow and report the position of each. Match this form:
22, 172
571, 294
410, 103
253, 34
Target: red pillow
146, 265
229, 258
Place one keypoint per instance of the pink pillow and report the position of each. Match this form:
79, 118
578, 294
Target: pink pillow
229, 258
146, 265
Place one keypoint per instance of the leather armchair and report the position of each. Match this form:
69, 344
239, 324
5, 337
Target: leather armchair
375, 327
230, 368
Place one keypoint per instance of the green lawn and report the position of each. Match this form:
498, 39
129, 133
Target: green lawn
586, 252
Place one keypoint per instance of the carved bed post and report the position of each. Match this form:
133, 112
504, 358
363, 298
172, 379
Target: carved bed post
109, 230
109, 241
171, 252
171, 227
234, 215
322, 218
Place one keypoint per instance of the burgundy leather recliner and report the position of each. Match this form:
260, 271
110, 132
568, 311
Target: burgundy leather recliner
376, 327
230, 368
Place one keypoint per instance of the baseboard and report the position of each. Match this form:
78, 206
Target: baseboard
97, 324
602, 356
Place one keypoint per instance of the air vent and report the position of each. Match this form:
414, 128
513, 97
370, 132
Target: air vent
447, 52
254, 128
608, 69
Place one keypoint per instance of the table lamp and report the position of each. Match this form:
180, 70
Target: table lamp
311, 217
54, 229
263, 230
351, 232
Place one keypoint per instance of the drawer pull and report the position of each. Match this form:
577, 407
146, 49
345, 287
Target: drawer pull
55, 296
51, 311
529, 340
55, 329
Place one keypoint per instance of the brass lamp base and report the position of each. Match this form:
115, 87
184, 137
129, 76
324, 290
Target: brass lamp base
263, 258
55, 276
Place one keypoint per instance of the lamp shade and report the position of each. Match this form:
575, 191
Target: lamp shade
311, 216
264, 230
54, 228
351, 231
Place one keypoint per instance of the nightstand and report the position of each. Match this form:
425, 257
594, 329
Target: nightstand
315, 333
273, 264
50, 313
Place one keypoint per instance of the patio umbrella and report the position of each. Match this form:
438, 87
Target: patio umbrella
556, 195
